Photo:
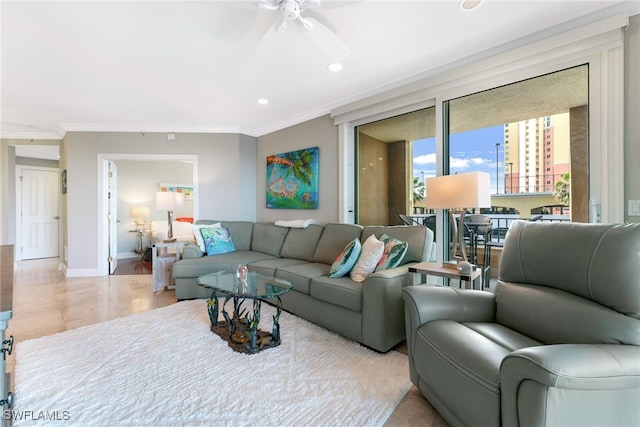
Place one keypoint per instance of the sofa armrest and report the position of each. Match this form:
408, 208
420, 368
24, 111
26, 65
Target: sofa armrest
192, 251
577, 384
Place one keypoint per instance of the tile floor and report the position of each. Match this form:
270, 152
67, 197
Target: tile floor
45, 302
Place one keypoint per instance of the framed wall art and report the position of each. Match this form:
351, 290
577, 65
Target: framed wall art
292, 179
187, 190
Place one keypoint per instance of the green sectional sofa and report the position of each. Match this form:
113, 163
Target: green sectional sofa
371, 312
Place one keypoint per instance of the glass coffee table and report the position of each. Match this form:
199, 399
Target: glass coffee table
240, 330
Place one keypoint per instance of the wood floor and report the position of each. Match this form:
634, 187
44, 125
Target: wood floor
129, 266
46, 302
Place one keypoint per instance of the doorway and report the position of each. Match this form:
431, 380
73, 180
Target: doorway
103, 205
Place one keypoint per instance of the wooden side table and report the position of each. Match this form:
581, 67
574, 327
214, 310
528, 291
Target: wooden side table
163, 256
435, 269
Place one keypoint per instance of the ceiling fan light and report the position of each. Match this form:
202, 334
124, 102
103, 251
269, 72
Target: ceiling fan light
467, 5
290, 10
335, 67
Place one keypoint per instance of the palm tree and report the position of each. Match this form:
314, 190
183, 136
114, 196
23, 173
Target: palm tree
561, 189
418, 189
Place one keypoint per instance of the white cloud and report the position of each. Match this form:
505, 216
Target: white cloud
425, 159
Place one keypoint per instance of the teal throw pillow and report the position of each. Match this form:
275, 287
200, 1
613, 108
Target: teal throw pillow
394, 251
217, 240
346, 260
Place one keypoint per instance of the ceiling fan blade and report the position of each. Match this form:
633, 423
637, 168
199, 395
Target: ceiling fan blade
268, 42
267, 5
309, 4
327, 40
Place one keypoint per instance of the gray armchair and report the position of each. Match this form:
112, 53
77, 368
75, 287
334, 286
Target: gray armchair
557, 344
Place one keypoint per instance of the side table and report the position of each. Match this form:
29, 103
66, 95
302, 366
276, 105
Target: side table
435, 269
163, 256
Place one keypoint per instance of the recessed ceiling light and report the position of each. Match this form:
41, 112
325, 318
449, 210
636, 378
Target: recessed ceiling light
263, 101
335, 67
467, 5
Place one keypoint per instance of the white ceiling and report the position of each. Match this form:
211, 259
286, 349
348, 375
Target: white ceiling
188, 66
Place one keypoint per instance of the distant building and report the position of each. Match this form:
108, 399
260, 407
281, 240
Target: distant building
536, 154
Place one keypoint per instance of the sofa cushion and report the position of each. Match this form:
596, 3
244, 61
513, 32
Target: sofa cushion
394, 252
301, 243
370, 254
268, 267
300, 275
241, 232
333, 240
341, 291
268, 238
419, 239
194, 267
346, 260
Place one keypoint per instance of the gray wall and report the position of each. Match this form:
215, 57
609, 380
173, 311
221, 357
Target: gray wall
221, 186
632, 114
321, 133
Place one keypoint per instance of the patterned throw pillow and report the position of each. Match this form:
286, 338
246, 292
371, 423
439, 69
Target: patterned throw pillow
372, 250
394, 251
217, 240
197, 233
346, 260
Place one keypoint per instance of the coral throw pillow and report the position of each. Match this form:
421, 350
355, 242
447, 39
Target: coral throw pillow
217, 240
394, 251
372, 250
346, 260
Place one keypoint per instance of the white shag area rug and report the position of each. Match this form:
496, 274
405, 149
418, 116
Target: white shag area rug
166, 368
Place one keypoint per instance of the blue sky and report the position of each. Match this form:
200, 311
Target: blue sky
473, 150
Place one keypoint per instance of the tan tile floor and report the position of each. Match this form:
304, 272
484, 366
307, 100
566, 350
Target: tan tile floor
45, 302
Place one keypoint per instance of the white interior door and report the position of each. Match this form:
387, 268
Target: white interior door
38, 190
112, 215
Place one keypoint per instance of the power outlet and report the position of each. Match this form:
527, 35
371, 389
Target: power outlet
634, 207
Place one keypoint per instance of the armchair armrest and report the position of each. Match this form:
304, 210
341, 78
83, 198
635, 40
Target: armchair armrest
423, 304
577, 384
426, 303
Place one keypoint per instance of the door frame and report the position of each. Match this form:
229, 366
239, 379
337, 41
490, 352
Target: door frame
102, 190
18, 206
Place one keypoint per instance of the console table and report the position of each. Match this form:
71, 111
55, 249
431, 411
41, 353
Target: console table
163, 256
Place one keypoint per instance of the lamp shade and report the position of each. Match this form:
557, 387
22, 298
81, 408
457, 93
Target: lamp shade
140, 212
460, 191
169, 201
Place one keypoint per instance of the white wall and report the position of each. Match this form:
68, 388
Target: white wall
138, 182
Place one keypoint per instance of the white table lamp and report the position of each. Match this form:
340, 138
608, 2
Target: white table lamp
169, 201
458, 193
140, 213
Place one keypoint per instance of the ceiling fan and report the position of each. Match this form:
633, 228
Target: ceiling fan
320, 34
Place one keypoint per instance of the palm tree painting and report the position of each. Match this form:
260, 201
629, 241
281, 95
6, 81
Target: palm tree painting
292, 179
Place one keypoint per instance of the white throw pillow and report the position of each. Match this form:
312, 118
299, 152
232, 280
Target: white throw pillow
372, 250
198, 234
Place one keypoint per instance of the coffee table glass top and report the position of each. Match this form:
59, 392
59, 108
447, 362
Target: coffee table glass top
256, 286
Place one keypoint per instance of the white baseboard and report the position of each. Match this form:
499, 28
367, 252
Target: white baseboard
81, 272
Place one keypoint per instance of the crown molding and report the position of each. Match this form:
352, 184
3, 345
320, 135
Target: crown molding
31, 135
